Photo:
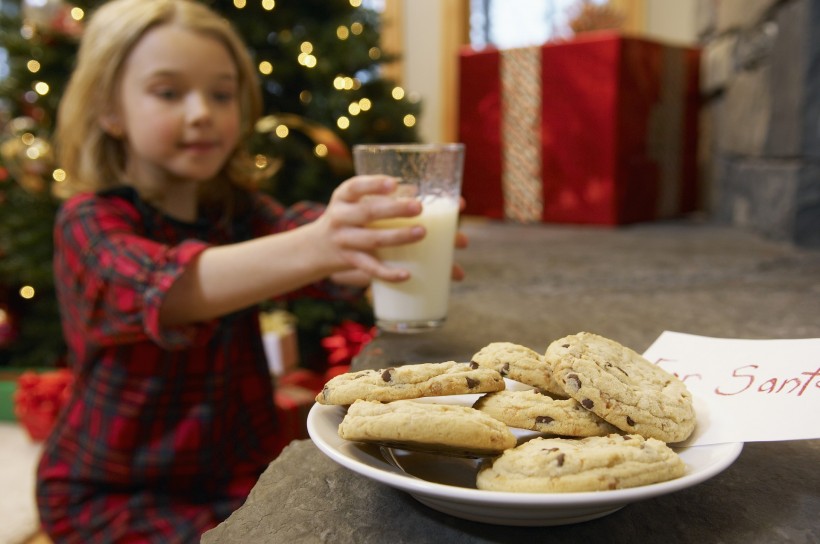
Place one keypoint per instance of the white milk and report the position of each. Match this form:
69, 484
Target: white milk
425, 295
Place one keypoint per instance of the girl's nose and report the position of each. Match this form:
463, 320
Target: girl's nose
198, 108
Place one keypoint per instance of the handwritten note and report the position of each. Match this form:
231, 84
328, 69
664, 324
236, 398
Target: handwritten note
746, 390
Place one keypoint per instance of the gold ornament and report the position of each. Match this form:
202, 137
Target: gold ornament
327, 144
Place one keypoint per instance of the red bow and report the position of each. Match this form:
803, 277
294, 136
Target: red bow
39, 398
346, 341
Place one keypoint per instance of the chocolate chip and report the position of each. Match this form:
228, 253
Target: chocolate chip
622, 370
630, 421
471, 383
544, 419
564, 345
473, 365
505, 369
587, 403
387, 376
560, 459
573, 382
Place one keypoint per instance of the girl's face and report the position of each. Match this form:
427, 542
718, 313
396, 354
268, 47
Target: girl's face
179, 111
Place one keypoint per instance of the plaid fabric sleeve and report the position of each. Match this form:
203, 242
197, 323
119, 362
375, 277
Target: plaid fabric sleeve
115, 279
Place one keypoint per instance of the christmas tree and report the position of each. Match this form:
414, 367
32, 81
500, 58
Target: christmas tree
320, 70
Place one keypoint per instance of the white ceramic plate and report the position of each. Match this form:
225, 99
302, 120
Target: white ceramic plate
447, 484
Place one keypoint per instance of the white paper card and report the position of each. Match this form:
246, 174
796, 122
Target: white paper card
746, 390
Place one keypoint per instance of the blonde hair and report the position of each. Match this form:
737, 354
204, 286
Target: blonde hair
93, 159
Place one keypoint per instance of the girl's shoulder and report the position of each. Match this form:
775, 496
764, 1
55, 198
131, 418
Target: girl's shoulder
118, 202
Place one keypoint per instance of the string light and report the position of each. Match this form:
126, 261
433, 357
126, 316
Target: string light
343, 122
305, 57
27, 292
374, 53
239, 4
365, 104
355, 3
354, 108
268, 4
409, 120
41, 88
357, 28
345, 83
305, 97
308, 61
33, 66
58, 175
342, 32
397, 93
265, 68
282, 131
320, 150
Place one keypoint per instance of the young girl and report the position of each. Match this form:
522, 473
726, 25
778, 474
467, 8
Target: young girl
160, 259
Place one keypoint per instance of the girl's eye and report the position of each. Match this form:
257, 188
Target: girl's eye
166, 94
224, 96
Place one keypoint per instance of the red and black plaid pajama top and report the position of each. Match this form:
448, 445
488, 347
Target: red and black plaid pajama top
167, 429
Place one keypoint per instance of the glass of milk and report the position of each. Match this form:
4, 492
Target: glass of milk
430, 173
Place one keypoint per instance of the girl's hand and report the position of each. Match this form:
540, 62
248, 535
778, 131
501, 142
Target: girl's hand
344, 236
359, 278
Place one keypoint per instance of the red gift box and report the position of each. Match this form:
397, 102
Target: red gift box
600, 130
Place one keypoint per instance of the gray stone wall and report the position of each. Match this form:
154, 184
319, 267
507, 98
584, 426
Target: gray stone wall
760, 121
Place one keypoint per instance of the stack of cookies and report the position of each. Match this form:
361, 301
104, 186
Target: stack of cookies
606, 413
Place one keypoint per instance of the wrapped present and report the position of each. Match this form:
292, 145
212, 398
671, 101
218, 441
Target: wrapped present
293, 403
601, 129
278, 329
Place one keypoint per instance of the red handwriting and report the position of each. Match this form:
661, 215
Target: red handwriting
682, 377
747, 380
772, 385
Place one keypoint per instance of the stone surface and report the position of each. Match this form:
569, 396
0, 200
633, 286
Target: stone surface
761, 91
807, 220
761, 195
304, 498
717, 64
745, 114
788, 61
531, 284
811, 93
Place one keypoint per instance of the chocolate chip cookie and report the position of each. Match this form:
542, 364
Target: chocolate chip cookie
410, 382
423, 425
535, 411
622, 387
549, 465
519, 363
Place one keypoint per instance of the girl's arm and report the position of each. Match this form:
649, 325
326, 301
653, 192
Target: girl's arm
227, 278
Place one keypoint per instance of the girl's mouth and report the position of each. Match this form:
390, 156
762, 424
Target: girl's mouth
199, 147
